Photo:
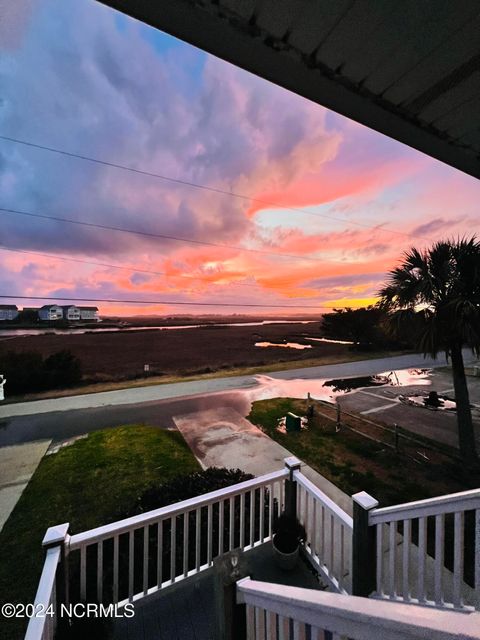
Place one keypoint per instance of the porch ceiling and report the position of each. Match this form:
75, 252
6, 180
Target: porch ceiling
410, 69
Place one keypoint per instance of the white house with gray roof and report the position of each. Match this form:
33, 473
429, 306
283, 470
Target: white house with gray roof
8, 311
50, 312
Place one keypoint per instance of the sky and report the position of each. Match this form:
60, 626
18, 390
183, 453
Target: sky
303, 209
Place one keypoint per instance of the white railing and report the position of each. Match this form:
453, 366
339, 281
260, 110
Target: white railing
329, 533
425, 552
278, 612
421, 545
43, 623
133, 558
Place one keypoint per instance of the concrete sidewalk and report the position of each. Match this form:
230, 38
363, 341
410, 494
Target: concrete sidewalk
223, 438
17, 465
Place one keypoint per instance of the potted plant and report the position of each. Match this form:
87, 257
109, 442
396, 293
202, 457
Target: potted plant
288, 535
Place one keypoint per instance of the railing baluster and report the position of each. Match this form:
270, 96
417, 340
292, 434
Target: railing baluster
458, 559
83, 573
209, 535
477, 559
422, 539
391, 558
380, 590
307, 521
261, 514
185, 543
100, 571
342, 556
173, 548
283, 628
252, 516
160, 554
313, 540
145, 559
270, 509
250, 612
231, 531
322, 538
439, 557
115, 569
221, 514
296, 630
272, 626
198, 537
259, 623
332, 545
131, 562
406, 560
242, 521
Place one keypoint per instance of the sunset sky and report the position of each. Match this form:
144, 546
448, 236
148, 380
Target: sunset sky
326, 208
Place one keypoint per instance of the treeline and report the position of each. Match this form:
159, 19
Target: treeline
29, 372
368, 328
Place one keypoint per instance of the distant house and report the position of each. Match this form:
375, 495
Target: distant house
50, 312
8, 311
89, 313
71, 312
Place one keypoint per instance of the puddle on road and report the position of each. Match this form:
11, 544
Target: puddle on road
289, 345
329, 340
330, 389
349, 384
437, 403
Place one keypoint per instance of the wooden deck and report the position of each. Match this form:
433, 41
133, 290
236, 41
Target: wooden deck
187, 611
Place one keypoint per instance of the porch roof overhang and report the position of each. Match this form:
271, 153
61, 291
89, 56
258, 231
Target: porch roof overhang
410, 70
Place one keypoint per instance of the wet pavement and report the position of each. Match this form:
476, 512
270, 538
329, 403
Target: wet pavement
380, 400
222, 437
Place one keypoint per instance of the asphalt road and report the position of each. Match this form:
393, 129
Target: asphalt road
64, 418
197, 387
62, 425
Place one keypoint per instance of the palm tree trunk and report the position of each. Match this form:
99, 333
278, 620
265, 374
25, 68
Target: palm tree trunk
466, 435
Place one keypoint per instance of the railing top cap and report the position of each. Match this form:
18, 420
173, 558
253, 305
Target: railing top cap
365, 500
292, 463
55, 535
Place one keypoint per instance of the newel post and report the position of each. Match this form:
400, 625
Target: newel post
292, 464
364, 559
54, 537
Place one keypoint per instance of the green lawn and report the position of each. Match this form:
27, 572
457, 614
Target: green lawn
354, 463
86, 484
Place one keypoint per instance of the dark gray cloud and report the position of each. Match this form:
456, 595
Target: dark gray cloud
77, 82
435, 225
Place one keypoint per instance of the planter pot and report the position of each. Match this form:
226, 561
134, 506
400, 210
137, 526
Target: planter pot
285, 561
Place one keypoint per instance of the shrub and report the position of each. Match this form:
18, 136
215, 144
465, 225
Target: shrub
62, 369
27, 372
178, 489
184, 487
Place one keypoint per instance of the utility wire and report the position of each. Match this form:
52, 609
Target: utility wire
173, 302
161, 236
203, 187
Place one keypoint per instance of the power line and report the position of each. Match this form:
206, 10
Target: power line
203, 187
173, 302
161, 236
117, 266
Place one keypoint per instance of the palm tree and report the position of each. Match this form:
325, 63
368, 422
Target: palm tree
436, 292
